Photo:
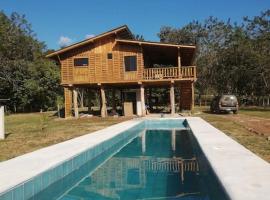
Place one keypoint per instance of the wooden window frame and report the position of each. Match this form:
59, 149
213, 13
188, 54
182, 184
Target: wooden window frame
109, 56
81, 66
135, 60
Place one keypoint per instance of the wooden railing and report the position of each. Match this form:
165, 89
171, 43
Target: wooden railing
188, 72
169, 73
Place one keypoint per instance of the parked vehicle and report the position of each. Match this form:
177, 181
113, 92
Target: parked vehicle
224, 103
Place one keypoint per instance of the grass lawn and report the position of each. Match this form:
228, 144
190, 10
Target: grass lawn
239, 131
29, 132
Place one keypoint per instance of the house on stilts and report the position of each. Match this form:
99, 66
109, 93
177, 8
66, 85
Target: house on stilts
114, 60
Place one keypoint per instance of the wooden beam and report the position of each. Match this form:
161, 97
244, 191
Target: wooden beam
154, 43
75, 103
103, 102
142, 100
68, 102
172, 99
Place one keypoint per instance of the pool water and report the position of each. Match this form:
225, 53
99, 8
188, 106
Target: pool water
158, 164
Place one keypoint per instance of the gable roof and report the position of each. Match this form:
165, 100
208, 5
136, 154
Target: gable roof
126, 33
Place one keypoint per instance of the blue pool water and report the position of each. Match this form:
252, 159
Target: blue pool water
156, 164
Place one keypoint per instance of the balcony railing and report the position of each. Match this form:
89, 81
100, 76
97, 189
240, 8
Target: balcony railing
185, 72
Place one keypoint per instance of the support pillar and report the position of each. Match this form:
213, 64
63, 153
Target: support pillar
192, 96
75, 103
138, 103
103, 102
68, 102
172, 99
150, 99
113, 102
2, 122
142, 100
121, 101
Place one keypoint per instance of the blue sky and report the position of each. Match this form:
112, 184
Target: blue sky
72, 21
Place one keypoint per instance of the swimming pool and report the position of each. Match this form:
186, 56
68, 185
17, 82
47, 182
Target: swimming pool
158, 164
152, 160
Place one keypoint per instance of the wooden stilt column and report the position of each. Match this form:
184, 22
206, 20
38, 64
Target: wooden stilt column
68, 102
192, 96
122, 101
75, 103
103, 102
150, 99
113, 102
142, 100
172, 98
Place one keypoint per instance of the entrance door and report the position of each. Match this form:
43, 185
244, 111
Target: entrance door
131, 97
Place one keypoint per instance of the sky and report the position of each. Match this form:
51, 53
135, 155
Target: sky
59, 22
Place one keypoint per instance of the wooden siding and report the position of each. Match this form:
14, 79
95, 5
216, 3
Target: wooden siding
130, 50
104, 70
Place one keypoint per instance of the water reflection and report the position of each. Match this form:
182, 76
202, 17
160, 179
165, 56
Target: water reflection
155, 165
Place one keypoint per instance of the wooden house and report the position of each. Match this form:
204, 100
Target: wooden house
114, 60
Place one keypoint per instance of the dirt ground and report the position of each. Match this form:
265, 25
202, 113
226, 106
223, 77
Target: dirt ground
257, 125
256, 120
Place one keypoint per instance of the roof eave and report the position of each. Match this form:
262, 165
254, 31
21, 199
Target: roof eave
78, 44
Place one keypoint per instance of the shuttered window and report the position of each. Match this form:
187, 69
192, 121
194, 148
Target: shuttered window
130, 63
81, 62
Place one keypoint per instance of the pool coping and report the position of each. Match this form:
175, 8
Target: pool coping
245, 176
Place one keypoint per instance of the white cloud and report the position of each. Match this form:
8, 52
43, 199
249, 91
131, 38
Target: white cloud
89, 36
64, 41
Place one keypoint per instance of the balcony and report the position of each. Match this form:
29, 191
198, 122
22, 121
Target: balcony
184, 72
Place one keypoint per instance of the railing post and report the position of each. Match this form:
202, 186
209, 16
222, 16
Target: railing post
179, 63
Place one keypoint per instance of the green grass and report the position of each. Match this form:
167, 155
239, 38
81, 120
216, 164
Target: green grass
29, 132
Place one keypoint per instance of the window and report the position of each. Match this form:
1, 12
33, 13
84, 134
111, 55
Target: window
80, 62
130, 63
109, 55
133, 176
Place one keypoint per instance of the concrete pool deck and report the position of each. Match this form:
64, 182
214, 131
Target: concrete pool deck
242, 174
17, 171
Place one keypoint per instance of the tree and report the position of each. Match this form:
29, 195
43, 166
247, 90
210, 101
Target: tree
230, 58
26, 77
